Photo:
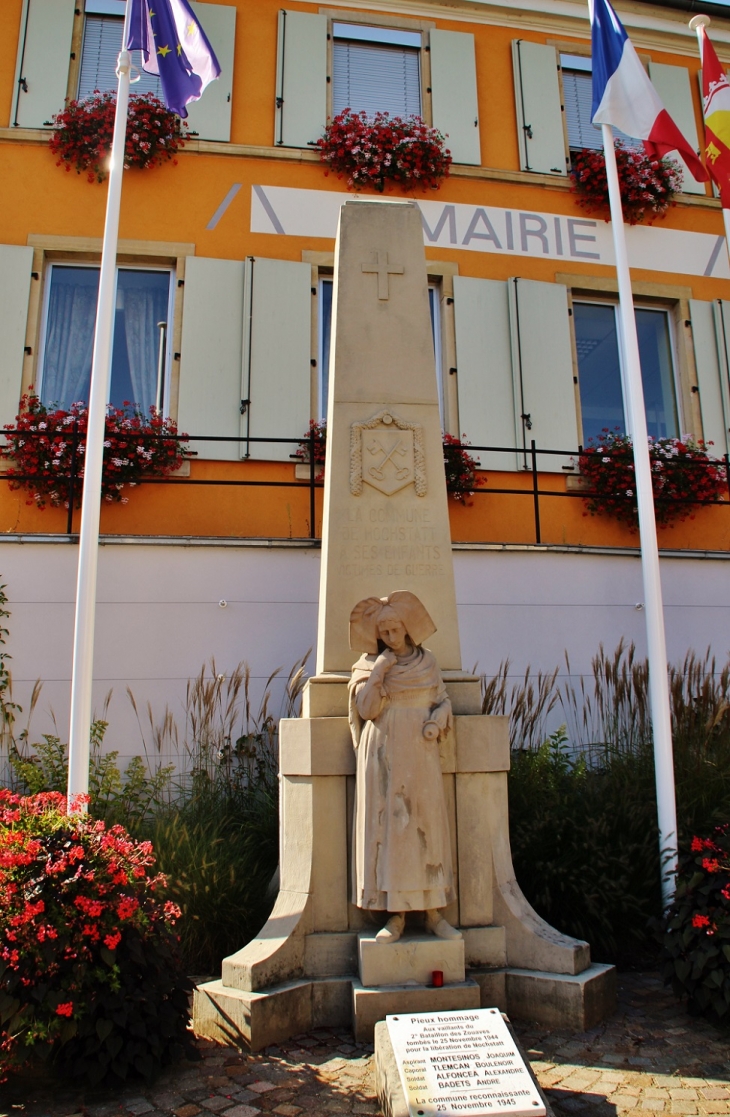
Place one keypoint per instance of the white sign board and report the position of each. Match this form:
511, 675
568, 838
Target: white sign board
457, 1063
289, 211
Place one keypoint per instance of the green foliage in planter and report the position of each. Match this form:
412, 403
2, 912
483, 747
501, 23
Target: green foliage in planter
696, 934
90, 970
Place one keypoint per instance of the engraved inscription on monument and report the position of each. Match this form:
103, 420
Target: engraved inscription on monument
387, 453
456, 1063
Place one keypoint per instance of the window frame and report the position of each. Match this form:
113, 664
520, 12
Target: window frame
670, 310
388, 23
77, 63
50, 264
86, 251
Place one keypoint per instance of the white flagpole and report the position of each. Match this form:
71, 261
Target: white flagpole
654, 610
83, 649
697, 23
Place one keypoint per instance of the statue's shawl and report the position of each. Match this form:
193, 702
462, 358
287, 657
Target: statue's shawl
420, 670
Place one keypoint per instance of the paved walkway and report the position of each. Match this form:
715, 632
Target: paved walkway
651, 1057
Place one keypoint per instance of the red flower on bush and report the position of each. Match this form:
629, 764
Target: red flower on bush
377, 150
47, 448
461, 469
105, 996
648, 186
682, 473
82, 134
696, 934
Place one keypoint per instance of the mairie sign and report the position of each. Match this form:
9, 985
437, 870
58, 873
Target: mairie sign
288, 211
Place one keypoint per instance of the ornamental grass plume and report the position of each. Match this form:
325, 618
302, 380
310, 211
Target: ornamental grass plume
648, 186
378, 150
82, 134
46, 446
90, 970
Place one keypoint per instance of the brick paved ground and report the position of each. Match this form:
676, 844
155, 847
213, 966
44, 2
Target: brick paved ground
651, 1057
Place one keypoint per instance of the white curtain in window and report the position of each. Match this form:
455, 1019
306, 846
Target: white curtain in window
141, 315
372, 77
69, 339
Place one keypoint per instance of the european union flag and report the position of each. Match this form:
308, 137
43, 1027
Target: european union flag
175, 47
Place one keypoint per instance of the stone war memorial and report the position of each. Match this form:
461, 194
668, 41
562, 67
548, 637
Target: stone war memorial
395, 865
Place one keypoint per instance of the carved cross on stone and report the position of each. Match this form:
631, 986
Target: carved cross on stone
383, 269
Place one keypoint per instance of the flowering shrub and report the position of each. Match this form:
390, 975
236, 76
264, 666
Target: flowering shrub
377, 150
461, 476
682, 472
82, 134
318, 428
696, 934
89, 966
648, 186
45, 454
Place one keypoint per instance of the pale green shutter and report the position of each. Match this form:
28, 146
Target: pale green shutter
709, 326
454, 93
539, 110
210, 117
44, 52
542, 355
16, 263
277, 355
210, 357
484, 368
301, 78
673, 86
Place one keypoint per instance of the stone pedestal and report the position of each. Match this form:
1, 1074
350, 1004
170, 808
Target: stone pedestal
410, 961
312, 965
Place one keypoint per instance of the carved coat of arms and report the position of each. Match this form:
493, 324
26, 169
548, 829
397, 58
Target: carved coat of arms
387, 453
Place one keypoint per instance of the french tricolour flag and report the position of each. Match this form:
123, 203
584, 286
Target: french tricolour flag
623, 95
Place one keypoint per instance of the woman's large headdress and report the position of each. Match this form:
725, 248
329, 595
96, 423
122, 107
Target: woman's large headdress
366, 614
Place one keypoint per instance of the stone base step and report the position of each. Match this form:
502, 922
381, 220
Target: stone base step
255, 1020
371, 1005
575, 1002
409, 961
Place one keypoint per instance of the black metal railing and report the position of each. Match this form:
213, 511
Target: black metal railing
308, 446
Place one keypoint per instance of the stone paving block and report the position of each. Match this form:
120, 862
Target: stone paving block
215, 1104
242, 1111
188, 1110
624, 1101
682, 1094
715, 1093
683, 1108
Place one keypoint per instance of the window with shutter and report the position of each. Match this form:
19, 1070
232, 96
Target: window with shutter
710, 335
140, 357
578, 100
600, 369
16, 262
101, 46
376, 69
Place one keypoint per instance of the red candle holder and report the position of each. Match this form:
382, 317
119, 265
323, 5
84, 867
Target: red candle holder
437, 979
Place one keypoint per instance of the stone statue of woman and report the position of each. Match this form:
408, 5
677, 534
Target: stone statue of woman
398, 711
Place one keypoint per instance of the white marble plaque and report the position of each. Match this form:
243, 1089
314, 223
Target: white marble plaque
457, 1063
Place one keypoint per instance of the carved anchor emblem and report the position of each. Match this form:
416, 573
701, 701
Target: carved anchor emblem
378, 471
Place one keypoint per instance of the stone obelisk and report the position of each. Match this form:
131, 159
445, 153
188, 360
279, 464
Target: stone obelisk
386, 522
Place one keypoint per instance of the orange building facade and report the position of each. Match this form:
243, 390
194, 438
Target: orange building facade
232, 246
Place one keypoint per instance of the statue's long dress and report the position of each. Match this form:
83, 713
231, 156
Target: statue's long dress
401, 848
